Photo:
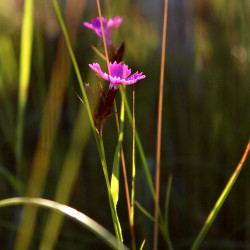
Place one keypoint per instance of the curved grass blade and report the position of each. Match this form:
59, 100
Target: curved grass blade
211, 217
83, 219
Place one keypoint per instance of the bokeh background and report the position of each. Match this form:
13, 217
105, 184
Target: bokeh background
206, 116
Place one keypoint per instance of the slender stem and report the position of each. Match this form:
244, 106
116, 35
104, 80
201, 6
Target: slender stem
158, 143
133, 173
211, 217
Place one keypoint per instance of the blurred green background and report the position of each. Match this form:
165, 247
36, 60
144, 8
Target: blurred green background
206, 117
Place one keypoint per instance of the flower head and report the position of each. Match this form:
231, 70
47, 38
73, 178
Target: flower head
109, 25
119, 74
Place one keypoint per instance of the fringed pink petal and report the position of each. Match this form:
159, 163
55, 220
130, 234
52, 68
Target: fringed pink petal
96, 67
119, 70
115, 22
119, 74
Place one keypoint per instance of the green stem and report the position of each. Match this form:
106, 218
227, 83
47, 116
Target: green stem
133, 171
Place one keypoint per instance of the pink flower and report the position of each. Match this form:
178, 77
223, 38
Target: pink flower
112, 23
119, 74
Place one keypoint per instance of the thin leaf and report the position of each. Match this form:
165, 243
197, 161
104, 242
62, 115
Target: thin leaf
144, 211
142, 244
98, 52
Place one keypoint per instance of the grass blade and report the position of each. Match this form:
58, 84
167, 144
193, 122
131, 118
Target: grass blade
211, 217
144, 211
142, 244
84, 220
24, 76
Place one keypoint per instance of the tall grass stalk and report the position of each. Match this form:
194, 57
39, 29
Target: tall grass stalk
159, 127
84, 220
24, 77
48, 128
211, 217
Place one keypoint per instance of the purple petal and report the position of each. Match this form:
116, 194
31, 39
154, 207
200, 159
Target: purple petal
97, 24
88, 25
135, 78
119, 70
98, 28
119, 74
108, 41
115, 22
